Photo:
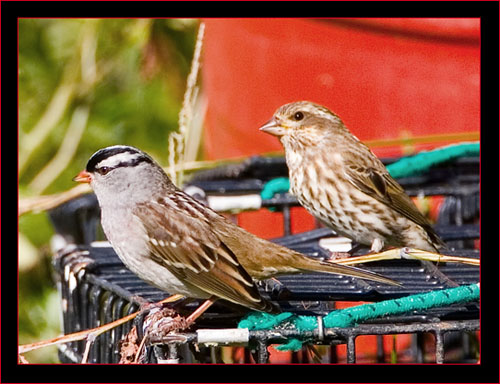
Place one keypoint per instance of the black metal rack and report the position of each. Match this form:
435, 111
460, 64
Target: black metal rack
96, 288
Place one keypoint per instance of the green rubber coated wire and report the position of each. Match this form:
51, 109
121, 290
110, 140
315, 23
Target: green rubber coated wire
351, 316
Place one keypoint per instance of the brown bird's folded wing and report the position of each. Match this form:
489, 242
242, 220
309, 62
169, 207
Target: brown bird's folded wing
180, 239
379, 184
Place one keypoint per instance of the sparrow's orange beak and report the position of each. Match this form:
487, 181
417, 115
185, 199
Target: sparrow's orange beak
273, 127
83, 177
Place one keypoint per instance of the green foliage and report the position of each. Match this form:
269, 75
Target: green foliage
130, 75
39, 310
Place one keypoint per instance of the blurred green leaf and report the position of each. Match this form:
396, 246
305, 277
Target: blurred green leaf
141, 67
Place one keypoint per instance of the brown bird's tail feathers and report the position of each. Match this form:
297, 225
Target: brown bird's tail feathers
309, 264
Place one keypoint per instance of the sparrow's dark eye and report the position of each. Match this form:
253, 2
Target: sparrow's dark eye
298, 116
103, 170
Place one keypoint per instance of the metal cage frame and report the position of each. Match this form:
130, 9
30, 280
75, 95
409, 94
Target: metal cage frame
96, 288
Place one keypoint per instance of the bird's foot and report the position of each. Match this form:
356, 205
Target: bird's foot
338, 256
377, 245
164, 321
276, 289
155, 324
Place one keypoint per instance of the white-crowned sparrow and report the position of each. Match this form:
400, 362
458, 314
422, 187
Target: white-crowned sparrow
179, 245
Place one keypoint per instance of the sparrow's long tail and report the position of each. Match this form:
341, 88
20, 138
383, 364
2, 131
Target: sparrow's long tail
309, 264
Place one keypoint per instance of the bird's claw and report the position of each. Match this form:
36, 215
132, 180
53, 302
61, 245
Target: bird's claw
276, 289
338, 256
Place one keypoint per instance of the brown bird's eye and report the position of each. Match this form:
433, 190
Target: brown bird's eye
104, 170
298, 116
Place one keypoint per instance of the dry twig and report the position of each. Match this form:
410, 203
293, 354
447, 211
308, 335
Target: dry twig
44, 203
88, 334
177, 140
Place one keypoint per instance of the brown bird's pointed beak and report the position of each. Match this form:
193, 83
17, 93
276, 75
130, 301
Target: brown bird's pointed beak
83, 177
273, 127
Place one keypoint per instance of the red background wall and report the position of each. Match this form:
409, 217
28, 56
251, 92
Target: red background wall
386, 78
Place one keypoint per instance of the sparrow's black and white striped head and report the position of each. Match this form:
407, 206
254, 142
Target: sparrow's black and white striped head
124, 173
110, 158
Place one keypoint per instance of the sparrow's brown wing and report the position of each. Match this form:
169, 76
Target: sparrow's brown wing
378, 183
180, 239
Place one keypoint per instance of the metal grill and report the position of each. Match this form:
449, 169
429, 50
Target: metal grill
96, 288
